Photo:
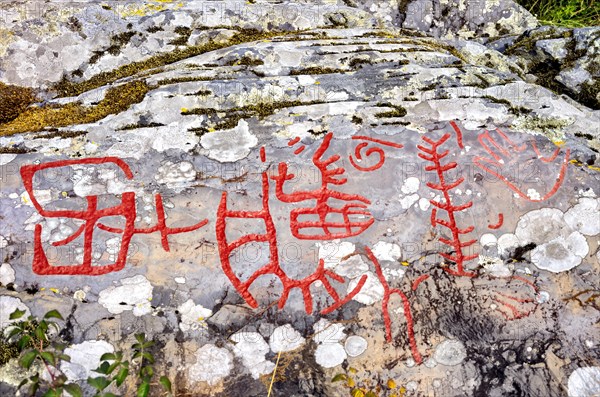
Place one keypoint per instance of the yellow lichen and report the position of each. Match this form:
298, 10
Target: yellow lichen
13, 101
117, 99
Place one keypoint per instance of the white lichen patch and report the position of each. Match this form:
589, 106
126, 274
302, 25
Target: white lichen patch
229, 145
558, 246
507, 243
450, 352
134, 293
584, 382
251, 348
541, 225
385, 251
561, 254
407, 201
212, 365
495, 266
424, 204
533, 194
352, 267
410, 185
7, 274
176, 176
330, 355
488, 240
85, 358
8, 305
328, 332
193, 316
371, 292
355, 345
332, 252
585, 216
285, 338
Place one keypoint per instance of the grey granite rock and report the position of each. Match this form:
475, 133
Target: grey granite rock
465, 187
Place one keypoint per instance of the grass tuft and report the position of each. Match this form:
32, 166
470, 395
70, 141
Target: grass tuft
567, 13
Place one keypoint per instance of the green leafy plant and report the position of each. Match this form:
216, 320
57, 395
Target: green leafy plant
112, 369
38, 348
146, 371
115, 370
39, 351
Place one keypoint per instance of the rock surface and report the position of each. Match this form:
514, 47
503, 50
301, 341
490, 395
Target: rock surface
284, 191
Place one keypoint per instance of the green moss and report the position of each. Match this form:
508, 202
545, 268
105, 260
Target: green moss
588, 94
587, 136
62, 134
235, 114
154, 29
13, 101
377, 34
117, 43
140, 125
184, 34
429, 87
200, 93
69, 88
7, 351
176, 80
116, 100
199, 112
497, 100
483, 81
359, 61
15, 150
245, 60
315, 70
516, 110
404, 123
398, 111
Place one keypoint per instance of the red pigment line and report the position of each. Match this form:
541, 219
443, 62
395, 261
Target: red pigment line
539, 154
322, 197
29, 171
517, 314
294, 141
459, 138
273, 266
515, 189
299, 150
348, 297
263, 156
523, 279
386, 315
89, 216
435, 157
520, 300
71, 237
419, 280
160, 226
499, 223
380, 141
